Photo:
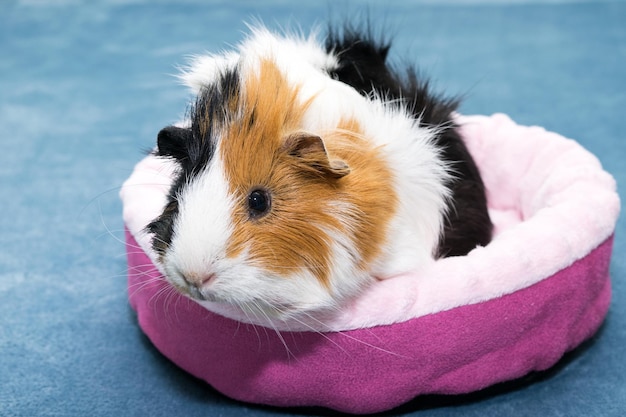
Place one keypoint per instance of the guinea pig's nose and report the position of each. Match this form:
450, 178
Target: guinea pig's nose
207, 279
204, 283
198, 279
196, 282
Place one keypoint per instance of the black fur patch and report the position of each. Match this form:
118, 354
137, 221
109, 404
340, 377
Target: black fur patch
363, 65
192, 148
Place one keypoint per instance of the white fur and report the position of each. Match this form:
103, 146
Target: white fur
268, 296
202, 229
205, 69
420, 177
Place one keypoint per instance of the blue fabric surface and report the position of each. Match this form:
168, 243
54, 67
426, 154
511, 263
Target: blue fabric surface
84, 88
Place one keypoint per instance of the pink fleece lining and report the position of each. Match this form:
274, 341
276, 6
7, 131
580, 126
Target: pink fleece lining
537, 290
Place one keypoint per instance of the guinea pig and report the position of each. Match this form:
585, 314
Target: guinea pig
306, 170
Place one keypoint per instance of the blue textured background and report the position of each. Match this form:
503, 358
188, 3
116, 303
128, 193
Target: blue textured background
84, 88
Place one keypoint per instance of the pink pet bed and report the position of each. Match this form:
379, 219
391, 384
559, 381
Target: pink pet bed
538, 290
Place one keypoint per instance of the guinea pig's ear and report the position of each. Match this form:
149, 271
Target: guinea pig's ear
172, 142
311, 153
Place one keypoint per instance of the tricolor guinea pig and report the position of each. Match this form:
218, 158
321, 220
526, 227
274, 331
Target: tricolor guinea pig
306, 170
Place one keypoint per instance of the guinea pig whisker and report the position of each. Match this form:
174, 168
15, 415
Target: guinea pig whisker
321, 333
143, 274
250, 322
97, 198
126, 253
139, 287
157, 295
264, 322
177, 302
138, 271
345, 334
251, 308
171, 294
164, 294
279, 335
117, 188
112, 233
144, 269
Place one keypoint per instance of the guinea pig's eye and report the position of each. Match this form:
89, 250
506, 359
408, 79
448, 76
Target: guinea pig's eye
258, 203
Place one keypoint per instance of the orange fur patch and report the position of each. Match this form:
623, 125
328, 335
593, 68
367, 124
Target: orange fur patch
293, 235
369, 188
